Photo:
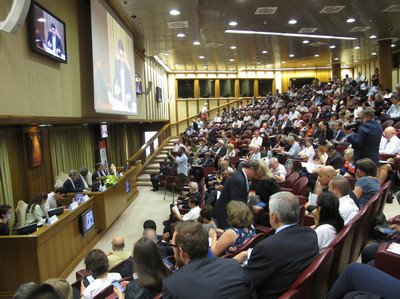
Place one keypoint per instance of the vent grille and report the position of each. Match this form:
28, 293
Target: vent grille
317, 44
307, 30
392, 8
359, 29
332, 9
181, 24
266, 10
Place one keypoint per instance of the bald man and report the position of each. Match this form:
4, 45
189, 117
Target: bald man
389, 142
325, 175
118, 254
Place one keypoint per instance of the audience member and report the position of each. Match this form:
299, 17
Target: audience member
61, 286
390, 143
241, 229
277, 261
5, 215
194, 212
206, 216
348, 169
199, 276
118, 254
24, 289
308, 152
164, 170
41, 291
278, 170
35, 212
334, 158
294, 147
182, 165
367, 184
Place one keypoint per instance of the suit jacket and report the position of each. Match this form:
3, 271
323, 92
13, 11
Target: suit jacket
127, 79
209, 278
277, 261
58, 41
338, 136
79, 182
336, 160
235, 188
208, 163
222, 151
366, 141
70, 187
96, 175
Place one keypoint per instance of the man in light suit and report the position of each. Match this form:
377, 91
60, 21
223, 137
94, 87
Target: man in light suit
199, 276
277, 261
236, 188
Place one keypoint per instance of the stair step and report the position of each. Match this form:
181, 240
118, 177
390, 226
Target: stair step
143, 177
143, 183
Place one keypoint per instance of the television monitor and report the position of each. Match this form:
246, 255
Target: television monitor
138, 84
86, 222
47, 33
56, 211
158, 94
103, 131
27, 229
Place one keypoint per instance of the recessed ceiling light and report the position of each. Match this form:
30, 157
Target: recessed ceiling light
204, 66
291, 55
231, 59
303, 64
201, 57
393, 45
196, 43
233, 47
269, 65
232, 23
167, 53
306, 41
176, 64
373, 36
264, 52
336, 58
181, 35
351, 20
316, 55
258, 62
231, 68
283, 62
356, 47
292, 22
355, 60
332, 47
174, 12
253, 68
373, 53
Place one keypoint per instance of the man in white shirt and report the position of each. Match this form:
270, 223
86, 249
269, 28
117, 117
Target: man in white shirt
347, 207
308, 152
257, 140
182, 165
293, 113
237, 122
389, 142
217, 118
360, 78
53, 197
278, 170
193, 214
357, 110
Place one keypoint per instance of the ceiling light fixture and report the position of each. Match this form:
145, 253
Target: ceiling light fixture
316, 55
351, 20
196, 43
232, 23
306, 41
264, 52
291, 55
355, 60
292, 22
174, 12
332, 47
356, 47
158, 59
373, 36
336, 58
176, 64
233, 47
231, 59
167, 53
201, 57
283, 62
303, 64
373, 53
181, 35
289, 34
204, 66
258, 62
393, 45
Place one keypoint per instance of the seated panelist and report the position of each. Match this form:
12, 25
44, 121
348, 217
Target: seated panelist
99, 172
70, 185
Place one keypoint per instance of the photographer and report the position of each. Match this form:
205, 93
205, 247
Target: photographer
182, 165
366, 141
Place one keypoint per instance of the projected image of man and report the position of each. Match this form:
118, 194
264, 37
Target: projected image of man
122, 82
54, 40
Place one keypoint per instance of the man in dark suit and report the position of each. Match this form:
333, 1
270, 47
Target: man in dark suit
80, 181
339, 134
199, 276
276, 262
326, 132
334, 158
208, 161
99, 172
54, 40
366, 141
70, 183
236, 188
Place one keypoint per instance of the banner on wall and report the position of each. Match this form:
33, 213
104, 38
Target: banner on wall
103, 155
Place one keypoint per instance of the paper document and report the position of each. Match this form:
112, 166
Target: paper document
312, 199
310, 166
394, 248
175, 208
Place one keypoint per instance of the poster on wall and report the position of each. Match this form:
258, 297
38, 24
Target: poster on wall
103, 155
35, 149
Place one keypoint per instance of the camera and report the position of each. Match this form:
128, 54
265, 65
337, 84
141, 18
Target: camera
353, 125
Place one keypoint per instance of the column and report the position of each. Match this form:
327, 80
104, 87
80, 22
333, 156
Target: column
336, 72
385, 63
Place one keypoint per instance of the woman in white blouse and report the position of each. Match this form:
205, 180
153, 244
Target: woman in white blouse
35, 210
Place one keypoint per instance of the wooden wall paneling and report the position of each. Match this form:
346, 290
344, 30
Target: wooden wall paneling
256, 91
217, 88
237, 88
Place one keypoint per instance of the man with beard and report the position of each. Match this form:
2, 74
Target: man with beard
182, 165
199, 276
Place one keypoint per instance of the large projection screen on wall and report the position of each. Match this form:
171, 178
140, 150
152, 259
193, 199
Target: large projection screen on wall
113, 62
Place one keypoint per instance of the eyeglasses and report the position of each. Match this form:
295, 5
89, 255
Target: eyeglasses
173, 245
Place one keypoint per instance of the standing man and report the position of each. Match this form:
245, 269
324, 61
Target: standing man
236, 188
182, 165
366, 141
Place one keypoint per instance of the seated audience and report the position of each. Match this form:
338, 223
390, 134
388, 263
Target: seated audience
230, 151
335, 159
294, 147
199, 276
96, 262
41, 291
257, 140
277, 261
330, 222
348, 169
69, 184
118, 254
193, 194
347, 206
164, 170
308, 152
278, 170
390, 143
240, 219
54, 197
367, 185
5, 215
24, 289
149, 270
194, 212
35, 212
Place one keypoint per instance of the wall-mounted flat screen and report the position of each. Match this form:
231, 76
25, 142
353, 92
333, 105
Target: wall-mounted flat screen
47, 33
138, 84
103, 131
113, 62
158, 94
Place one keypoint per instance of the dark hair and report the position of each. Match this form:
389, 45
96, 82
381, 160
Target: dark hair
42, 291
253, 164
97, 166
192, 178
52, 25
329, 213
150, 224
61, 190
37, 200
206, 212
331, 147
368, 166
97, 262
194, 200
192, 238
4, 209
149, 265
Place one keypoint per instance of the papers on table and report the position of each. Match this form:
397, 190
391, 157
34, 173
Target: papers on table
310, 166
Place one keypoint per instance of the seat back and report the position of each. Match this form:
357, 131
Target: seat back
387, 262
288, 172
358, 222
118, 267
385, 192
250, 243
21, 212
300, 186
314, 282
290, 180
207, 170
109, 290
387, 123
291, 294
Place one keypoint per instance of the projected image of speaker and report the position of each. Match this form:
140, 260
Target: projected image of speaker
103, 130
158, 94
138, 84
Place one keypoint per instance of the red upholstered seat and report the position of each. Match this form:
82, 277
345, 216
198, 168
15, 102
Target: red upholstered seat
291, 294
387, 262
299, 189
290, 180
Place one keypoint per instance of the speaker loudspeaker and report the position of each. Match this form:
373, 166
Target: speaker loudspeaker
16, 16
